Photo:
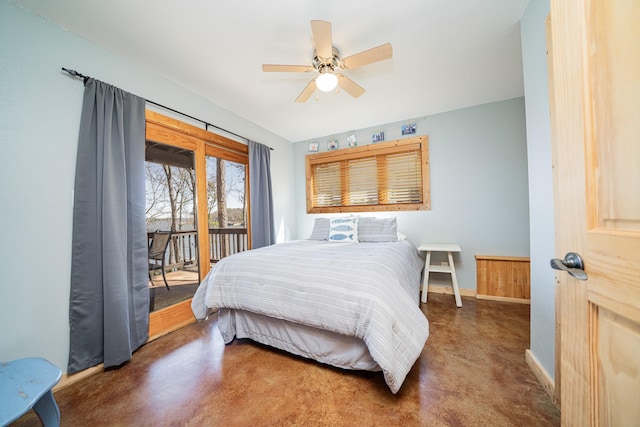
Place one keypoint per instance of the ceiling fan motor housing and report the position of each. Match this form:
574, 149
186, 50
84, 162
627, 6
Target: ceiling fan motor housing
326, 65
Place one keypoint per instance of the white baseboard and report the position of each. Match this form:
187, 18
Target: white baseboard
542, 376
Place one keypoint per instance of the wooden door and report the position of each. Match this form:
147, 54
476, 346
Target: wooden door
595, 104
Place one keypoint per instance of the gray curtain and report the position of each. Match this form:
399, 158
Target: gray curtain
109, 302
262, 229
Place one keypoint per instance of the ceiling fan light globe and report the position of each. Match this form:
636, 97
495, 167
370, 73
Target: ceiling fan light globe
326, 82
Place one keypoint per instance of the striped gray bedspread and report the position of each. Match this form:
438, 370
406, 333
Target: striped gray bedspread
366, 290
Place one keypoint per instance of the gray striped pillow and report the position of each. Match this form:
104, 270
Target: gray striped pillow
372, 229
320, 229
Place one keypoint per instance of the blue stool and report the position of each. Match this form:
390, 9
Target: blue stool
26, 384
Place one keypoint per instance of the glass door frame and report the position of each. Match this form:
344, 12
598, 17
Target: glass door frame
169, 131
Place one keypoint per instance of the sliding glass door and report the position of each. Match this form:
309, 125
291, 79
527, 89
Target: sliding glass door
196, 189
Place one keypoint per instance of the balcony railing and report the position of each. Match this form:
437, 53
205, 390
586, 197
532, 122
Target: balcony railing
183, 248
227, 241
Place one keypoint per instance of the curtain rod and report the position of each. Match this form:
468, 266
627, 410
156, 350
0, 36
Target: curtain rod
206, 124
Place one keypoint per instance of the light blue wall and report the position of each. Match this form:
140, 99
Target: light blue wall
39, 120
479, 183
536, 89
479, 196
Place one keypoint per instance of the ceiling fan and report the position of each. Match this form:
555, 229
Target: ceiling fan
326, 60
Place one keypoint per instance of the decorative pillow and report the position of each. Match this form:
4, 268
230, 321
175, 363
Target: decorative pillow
343, 229
320, 229
371, 229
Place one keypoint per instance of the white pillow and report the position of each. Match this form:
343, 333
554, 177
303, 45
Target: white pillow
343, 229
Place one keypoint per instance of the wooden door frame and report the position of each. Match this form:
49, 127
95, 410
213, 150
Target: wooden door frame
557, 382
169, 131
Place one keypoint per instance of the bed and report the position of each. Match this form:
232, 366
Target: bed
350, 305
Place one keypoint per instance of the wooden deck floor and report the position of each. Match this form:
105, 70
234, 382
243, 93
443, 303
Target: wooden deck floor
182, 286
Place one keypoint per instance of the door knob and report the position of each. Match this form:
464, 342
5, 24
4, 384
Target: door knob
572, 264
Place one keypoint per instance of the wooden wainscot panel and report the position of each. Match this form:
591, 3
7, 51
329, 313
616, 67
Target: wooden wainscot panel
503, 278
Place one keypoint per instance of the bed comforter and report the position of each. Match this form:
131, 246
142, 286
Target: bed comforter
365, 290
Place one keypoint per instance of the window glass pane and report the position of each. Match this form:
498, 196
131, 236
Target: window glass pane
226, 207
226, 201
170, 184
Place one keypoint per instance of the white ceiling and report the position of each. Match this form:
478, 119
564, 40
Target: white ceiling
447, 54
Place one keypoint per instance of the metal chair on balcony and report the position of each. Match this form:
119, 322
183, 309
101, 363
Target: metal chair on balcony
157, 248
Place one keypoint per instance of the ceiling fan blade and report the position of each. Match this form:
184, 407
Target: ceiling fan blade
307, 91
369, 56
287, 68
349, 86
322, 38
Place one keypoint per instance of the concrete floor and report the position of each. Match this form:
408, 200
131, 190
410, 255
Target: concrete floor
472, 372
